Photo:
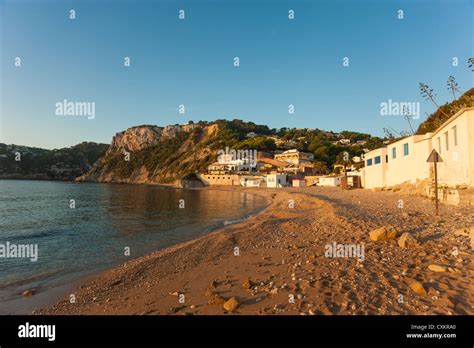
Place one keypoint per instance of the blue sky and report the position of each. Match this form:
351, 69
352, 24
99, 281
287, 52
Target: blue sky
190, 62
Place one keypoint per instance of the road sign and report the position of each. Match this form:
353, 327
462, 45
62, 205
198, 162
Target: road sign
434, 158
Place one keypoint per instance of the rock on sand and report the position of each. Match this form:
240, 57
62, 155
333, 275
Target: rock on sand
406, 240
383, 233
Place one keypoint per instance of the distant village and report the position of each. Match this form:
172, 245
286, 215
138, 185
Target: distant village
283, 168
397, 162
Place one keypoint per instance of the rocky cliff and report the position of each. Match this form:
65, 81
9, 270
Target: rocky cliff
152, 154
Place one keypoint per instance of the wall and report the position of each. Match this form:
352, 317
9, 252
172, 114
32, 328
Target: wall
412, 166
272, 180
220, 179
457, 168
374, 175
330, 181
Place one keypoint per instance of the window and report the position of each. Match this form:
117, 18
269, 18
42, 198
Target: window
386, 158
377, 160
455, 135
446, 138
405, 150
394, 152
369, 162
439, 145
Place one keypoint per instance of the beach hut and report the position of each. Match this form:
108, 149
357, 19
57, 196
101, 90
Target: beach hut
299, 183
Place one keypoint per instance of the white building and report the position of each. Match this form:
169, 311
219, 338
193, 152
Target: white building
227, 163
276, 180
375, 168
330, 180
344, 141
294, 156
250, 181
405, 159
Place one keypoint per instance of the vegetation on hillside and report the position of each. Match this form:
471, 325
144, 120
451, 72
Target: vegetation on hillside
59, 164
444, 112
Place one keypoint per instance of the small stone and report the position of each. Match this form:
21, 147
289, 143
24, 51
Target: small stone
406, 240
214, 284
383, 233
418, 288
247, 284
437, 268
28, 293
217, 300
174, 293
209, 293
231, 304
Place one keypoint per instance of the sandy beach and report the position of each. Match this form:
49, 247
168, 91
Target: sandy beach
276, 262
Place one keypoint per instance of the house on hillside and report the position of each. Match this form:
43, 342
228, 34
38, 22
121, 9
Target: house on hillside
251, 135
344, 141
294, 156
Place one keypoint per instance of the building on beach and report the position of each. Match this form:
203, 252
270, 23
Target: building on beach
298, 183
276, 180
405, 160
330, 180
209, 179
251, 181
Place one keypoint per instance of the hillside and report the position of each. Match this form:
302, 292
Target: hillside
436, 119
164, 155
23, 162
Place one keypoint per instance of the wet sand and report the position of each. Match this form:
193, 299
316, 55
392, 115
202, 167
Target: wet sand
275, 262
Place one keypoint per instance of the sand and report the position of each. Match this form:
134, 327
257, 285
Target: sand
281, 265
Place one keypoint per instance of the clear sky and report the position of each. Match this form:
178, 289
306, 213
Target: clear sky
190, 62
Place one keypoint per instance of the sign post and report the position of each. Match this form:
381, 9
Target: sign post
435, 158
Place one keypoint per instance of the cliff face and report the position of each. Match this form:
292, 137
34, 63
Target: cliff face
151, 154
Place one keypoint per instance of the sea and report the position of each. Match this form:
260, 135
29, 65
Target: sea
81, 229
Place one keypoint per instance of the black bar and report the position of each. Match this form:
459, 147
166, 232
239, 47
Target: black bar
241, 330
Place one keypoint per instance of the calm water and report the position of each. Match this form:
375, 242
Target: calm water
108, 218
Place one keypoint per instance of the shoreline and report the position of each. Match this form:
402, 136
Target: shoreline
63, 290
48, 296
281, 253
